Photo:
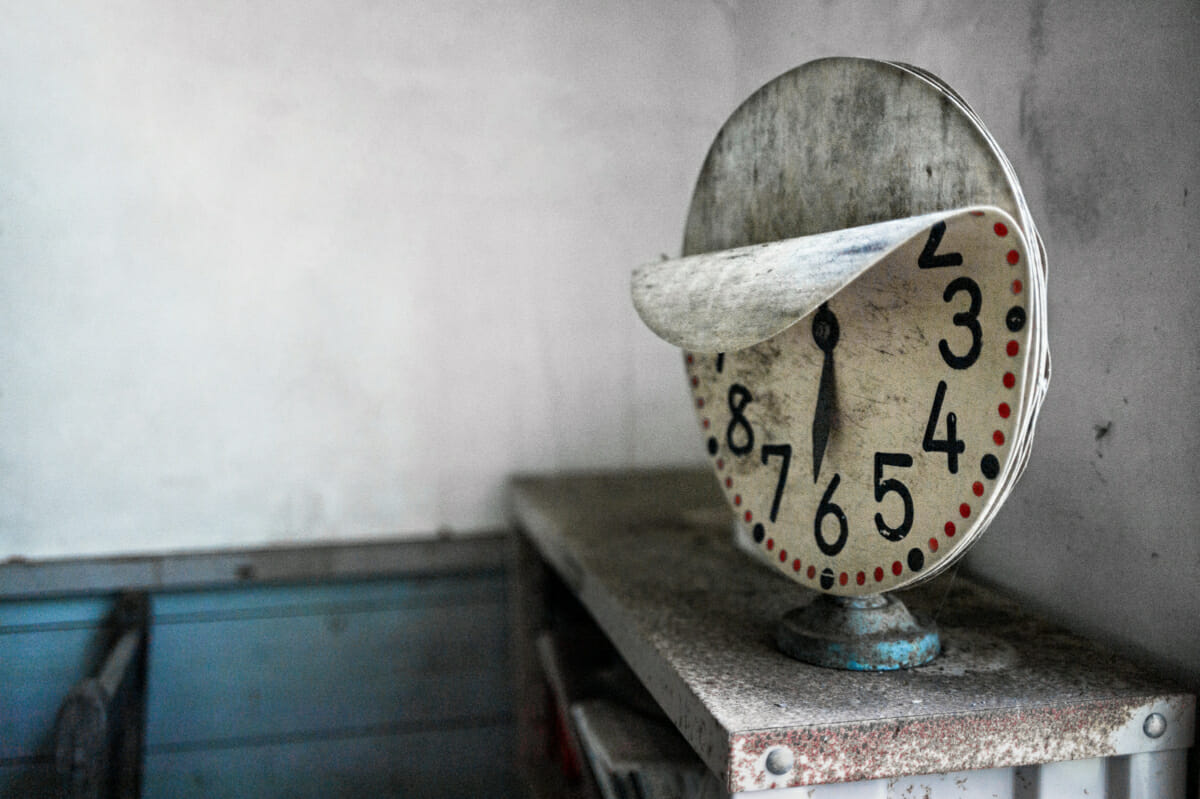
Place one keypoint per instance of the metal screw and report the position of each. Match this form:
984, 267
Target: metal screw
779, 761
1155, 725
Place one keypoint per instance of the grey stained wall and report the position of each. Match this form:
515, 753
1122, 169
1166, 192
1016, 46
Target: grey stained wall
280, 272
1097, 105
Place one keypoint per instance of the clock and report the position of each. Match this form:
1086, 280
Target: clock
861, 306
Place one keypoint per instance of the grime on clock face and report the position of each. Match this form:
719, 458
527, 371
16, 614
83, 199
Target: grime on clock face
861, 446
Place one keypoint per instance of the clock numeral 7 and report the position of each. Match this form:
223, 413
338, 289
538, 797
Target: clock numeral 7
951, 444
828, 508
783, 451
892, 485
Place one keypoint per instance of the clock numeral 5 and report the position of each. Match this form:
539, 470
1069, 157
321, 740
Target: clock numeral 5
885, 487
828, 508
951, 445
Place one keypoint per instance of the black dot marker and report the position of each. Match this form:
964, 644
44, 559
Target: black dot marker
759, 533
916, 559
712, 445
827, 578
989, 466
1015, 319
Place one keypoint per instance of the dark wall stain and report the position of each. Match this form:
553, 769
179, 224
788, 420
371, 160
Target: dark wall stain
1102, 432
1037, 29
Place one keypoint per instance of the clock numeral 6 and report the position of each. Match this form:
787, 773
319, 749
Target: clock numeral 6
739, 398
885, 487
828, 508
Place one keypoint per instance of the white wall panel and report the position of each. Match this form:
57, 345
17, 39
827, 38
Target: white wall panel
289, 271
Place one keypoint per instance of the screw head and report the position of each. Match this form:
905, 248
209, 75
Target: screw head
1155, 725
779, 761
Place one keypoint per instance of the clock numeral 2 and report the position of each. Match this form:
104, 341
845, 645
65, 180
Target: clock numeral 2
828, 508
928, 260
892, 485
951, 444
739, 398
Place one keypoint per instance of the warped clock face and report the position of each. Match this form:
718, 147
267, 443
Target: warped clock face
865, 446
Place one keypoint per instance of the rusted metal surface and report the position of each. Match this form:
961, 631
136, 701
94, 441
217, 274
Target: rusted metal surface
651, 556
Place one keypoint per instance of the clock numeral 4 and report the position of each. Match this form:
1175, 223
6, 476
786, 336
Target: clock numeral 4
889, 486
830, 508
951, 444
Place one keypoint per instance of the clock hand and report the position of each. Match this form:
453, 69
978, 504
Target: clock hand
825, 334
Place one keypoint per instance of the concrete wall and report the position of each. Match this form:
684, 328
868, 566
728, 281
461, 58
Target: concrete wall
311, 270
278, 272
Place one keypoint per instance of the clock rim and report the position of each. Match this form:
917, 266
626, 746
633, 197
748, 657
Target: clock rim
995, 185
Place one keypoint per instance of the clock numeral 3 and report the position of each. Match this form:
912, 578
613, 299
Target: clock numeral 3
828, 508
892, 485
739, 398
951, 445
968, 319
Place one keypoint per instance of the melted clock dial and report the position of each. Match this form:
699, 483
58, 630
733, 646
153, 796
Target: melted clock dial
864, 459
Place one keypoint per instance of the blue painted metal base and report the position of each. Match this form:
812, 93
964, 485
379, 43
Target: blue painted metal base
870, 633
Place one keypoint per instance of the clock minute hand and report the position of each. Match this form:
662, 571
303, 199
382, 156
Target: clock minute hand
825, 334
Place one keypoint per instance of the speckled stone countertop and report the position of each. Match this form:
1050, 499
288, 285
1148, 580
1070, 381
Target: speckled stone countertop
651, 555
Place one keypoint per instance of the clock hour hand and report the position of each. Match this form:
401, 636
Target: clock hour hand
825, 334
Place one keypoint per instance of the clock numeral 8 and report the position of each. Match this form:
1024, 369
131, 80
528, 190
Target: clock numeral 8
739, 398
828, 508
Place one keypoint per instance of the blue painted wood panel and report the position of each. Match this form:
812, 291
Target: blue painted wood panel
377, 688
349, 665
463, 763
33, 780
45, 648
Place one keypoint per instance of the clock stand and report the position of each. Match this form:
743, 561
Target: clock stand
875, 632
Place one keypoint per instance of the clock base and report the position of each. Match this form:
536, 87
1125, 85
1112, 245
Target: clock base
865, 633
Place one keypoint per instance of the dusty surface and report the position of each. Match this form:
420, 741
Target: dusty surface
651, 555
